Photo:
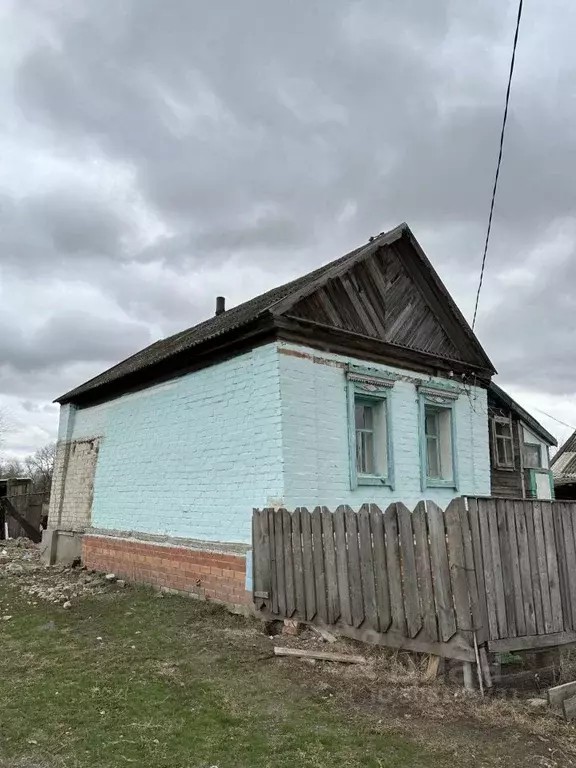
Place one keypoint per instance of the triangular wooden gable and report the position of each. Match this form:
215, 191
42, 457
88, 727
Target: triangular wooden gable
389, 291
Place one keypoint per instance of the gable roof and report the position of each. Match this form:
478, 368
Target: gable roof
283, 300
522, 414
563, 464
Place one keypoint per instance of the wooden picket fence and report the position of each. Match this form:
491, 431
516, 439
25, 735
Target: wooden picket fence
483, 571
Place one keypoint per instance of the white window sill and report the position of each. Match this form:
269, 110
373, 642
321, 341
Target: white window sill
373, 480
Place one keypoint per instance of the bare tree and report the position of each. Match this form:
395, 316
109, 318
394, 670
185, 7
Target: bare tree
40, 467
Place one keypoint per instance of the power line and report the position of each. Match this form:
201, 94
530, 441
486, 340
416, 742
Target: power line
495, 187
555, 419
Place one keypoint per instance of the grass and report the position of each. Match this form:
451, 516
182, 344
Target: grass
129, 678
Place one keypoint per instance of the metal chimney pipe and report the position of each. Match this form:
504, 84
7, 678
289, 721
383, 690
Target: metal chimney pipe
220, 305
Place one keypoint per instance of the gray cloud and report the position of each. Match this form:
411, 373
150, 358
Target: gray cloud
186, 149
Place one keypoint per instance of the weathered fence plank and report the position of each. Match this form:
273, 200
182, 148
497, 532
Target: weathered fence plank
490, 580
288, 563
506, 563
497, 566
280, 570
516, 577
394, 570
410, 576
525, 573
380, 568
299, 583
354, 574
273, 573
471, 574
479, 568
441, 571
367, 567
319, 572
534, 568
552, 563
342, 565
558, 514
542, 566
424, 571
260, 560
457, 564
332, 602
308, 563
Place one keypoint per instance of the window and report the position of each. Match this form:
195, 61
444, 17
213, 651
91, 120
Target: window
438, 435
532, 456
371, 438
503, 442
369, 427
438, 465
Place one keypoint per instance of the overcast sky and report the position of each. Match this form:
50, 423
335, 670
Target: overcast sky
155, 153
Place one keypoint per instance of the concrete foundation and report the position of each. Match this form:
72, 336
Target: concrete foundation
60, 546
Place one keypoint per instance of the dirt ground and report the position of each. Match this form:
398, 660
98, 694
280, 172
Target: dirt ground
94, 673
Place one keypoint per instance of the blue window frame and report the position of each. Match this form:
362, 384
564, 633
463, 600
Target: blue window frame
369, 427
438, 462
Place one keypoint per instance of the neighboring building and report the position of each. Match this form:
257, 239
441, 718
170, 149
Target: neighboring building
563, 467
519, 450
360, 382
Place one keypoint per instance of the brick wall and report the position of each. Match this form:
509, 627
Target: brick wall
73, 481
188, 458
210, 575
315, 435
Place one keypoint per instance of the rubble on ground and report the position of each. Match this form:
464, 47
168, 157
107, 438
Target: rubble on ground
20, 565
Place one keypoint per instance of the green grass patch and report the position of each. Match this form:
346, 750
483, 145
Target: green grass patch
128, 678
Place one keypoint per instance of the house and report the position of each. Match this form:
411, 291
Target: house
519, 450
563, 467
359, 382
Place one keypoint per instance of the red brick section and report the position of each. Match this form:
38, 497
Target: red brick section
210, 575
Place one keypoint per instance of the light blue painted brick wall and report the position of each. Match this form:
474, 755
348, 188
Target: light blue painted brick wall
315, 437
193, 456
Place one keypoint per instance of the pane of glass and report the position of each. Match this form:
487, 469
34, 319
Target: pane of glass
364, 416
532, 457
431, 426
505, 456
433, 457
503, 428
369, 452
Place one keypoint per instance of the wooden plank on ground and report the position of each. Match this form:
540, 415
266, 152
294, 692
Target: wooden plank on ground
354, 574
288, 563
410, 576
515, 562
569, 708
440, 571
559, 693
552, 564
367, 567
333, 605
474, 520
342, 565
534, 567
273, 570
343, 658
506, 561
298, 565
394, 569
280, 570
423, 568
525, 574
380, 569
497, 567
308, 563
562, 560
319, 573
458, 578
